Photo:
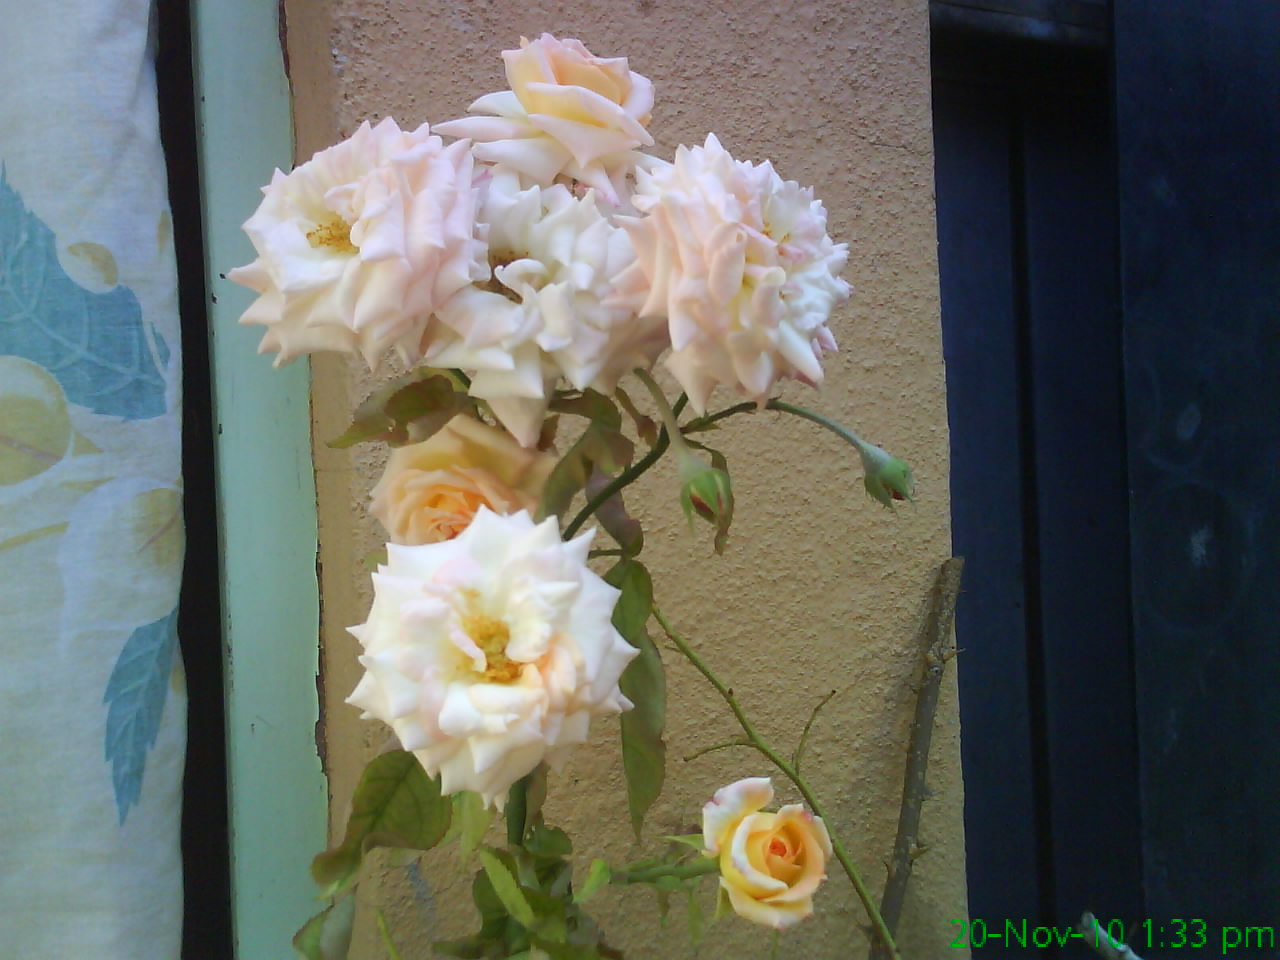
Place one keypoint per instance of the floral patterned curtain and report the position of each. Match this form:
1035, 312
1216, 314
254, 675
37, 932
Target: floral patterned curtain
92, 702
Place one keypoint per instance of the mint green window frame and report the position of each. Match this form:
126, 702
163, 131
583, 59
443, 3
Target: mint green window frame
266, 496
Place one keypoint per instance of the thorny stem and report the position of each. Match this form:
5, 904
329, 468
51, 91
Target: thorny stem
717, 746
804, 734
627, 476
790, 772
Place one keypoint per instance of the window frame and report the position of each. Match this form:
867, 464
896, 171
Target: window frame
266, 502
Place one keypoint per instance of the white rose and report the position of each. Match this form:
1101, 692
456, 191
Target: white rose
491, 652
546, 310
740, 264
359, 245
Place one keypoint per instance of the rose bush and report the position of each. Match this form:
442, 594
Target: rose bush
521, 273
431, 490
770, 863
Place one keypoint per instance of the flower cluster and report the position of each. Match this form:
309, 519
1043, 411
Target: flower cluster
520, 261
542, 245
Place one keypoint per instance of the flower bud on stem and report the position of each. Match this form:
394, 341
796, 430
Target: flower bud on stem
885, 476
705, 489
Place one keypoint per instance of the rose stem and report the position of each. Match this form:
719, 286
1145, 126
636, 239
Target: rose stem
628, 476
762, 745
517, 806
664, 410
681, 871
843, 432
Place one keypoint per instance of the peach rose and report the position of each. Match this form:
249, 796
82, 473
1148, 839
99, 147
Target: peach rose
567, 112
770, 863
431, 490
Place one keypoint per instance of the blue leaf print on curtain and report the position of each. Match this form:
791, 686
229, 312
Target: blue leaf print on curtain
96, 344
135, 701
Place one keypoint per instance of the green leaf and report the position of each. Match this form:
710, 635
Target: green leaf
598, 875
409, 409
646, 427
613, 516
548, 842
549, 912
695, 840
592, 404
471, 819
697, 922
395, 805
644, 683
327, 935
504, 884
493, 915
724, 906
567, 951
474, 947
601, 445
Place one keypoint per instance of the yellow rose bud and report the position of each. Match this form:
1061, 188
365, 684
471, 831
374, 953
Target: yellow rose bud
431, 490
770, 863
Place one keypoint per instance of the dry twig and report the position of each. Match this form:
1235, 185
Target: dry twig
934, 643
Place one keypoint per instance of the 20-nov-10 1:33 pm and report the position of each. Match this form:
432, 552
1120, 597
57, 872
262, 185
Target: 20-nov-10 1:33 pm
1174, 933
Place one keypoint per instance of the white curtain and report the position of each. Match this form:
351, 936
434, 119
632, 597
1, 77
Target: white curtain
92, 701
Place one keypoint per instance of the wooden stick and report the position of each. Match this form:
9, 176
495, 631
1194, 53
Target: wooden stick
934, 642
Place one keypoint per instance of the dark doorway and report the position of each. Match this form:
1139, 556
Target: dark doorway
1109, 242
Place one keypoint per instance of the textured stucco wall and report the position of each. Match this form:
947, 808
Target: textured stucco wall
821, 588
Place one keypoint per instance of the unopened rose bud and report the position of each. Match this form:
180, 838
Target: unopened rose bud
707, 492
887, 478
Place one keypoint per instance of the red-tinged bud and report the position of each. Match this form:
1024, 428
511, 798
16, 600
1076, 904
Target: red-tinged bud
707, 492
887, 478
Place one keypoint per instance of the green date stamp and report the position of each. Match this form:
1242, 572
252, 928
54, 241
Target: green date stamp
1174, 933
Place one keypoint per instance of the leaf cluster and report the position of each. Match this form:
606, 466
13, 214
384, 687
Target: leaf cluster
527, 905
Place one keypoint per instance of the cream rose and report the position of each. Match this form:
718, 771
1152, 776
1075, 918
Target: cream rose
359, 245
770, 863
739, 262
543, 313
567, 112
491, 652
431, 490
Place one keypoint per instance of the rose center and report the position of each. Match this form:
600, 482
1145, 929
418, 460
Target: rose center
334, 233
491, 635
501, 258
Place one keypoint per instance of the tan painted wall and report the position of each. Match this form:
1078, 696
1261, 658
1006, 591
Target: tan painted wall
821, 588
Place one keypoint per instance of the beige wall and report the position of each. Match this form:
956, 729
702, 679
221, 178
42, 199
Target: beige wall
821, 589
